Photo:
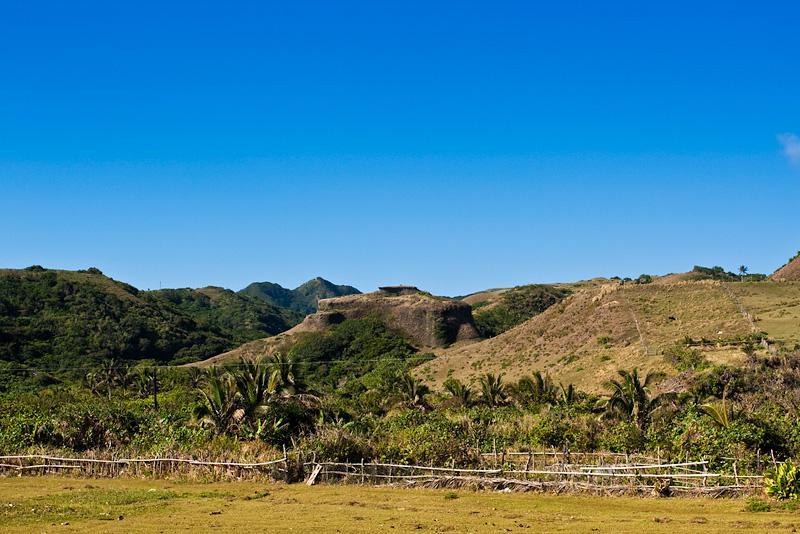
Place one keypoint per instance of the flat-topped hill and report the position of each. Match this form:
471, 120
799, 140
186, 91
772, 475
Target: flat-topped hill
427, 321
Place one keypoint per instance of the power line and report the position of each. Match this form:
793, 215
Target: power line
237, 364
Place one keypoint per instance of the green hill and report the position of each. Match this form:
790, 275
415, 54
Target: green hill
302, 299
62, 319
511, 307
244, 317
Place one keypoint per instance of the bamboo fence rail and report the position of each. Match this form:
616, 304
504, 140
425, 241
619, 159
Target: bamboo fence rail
661, 479
144, 467
639, 478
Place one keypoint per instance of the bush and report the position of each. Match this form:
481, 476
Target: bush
685, 358
757, 505
783, 482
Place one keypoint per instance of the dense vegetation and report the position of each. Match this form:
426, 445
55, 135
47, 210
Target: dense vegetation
61, 319
515, 306
303, 299
242, 317
348, 394
718, 273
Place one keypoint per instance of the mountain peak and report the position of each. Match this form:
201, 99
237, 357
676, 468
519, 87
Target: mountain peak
302, 298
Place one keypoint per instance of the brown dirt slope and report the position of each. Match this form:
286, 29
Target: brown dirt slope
588, 336
789, 272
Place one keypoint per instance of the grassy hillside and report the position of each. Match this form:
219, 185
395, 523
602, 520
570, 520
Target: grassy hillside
245, 318
302, 299
586, 337
64, 319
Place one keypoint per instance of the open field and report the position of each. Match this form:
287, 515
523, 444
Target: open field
55, 504
775, 306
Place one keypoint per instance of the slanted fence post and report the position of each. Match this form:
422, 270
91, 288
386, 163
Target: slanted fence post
528, 464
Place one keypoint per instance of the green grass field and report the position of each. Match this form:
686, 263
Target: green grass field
54, 504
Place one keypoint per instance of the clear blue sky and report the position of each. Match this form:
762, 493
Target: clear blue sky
452, 145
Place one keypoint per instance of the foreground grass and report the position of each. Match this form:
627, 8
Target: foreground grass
53, 504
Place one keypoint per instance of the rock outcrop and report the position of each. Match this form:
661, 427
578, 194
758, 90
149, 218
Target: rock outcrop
426, 320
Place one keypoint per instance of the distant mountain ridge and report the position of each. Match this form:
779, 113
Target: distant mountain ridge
302, 299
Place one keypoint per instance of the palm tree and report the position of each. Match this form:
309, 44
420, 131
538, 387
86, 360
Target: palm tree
412, 392
721, 411
493, 391
196, 376
742, 272
220, 408
536, 389
569, 395
460, 392
630, 397
145, 382
254, 384
110, 374
287, 374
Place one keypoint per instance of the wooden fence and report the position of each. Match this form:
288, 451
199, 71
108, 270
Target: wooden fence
689, 478
36, 464
602, 473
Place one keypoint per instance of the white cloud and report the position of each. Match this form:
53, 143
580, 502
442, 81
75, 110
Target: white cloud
791, 147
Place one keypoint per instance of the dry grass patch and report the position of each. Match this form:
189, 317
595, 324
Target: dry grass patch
80, 505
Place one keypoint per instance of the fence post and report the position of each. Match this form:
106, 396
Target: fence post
528, 464
286, 463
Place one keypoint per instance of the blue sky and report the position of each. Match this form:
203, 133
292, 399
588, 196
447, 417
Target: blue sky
456, 146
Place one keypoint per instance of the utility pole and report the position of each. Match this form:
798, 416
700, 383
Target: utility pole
154, 377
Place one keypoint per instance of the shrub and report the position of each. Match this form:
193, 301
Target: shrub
757, 505
685, 358
783, 482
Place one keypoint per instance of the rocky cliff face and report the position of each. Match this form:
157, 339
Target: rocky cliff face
426, 320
